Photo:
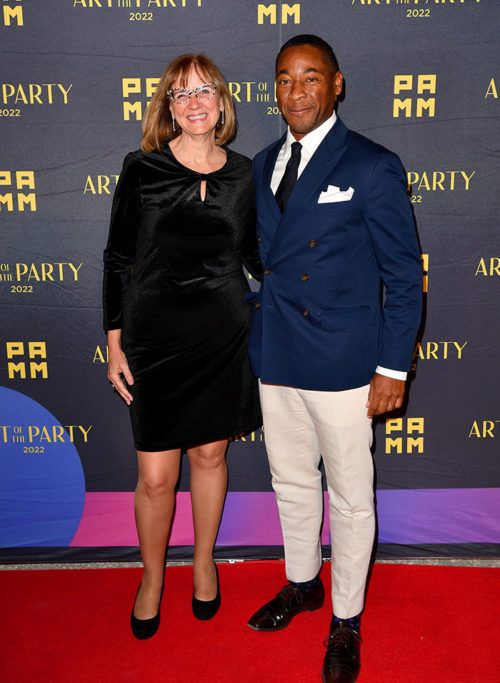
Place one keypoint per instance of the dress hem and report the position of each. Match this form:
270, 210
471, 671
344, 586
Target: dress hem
204, 440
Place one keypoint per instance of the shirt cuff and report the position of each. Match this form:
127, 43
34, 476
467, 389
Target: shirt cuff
395, 374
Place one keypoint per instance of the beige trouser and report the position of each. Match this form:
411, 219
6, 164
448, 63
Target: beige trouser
300, 426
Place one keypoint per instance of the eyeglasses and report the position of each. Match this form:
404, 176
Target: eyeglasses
202, 92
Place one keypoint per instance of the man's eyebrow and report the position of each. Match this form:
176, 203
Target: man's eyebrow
306, 71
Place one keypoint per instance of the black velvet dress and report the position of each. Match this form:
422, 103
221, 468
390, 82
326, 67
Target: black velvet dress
174, 284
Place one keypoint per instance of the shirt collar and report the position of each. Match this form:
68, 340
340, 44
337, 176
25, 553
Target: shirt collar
312, 140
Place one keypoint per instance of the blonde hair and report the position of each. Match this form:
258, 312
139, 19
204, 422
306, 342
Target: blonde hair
157, 124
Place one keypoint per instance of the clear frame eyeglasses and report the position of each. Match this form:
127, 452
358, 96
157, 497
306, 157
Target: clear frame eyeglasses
202, 92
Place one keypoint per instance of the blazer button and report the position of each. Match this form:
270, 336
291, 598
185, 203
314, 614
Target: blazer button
267, 271
257, 304
312, 243
306, 312
259, 239
305, 277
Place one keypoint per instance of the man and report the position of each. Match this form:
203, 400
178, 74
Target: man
334, 223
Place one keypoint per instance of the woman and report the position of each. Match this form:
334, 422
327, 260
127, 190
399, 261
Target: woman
182, 225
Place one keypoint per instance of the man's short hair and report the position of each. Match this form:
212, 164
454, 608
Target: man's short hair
315, 41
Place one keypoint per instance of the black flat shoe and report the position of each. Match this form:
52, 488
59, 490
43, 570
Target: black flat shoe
145, 628
206, 609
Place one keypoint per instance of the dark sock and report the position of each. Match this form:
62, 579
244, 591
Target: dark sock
307, 585
353, 622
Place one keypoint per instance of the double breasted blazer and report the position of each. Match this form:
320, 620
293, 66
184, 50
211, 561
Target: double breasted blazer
322, 318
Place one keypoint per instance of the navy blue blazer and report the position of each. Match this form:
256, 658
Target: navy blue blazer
319, 320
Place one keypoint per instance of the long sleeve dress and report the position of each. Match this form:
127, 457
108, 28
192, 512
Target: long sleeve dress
175, 286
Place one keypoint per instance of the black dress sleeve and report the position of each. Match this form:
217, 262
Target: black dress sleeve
249, 248
119, 254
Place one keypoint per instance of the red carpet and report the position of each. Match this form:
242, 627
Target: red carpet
421, 623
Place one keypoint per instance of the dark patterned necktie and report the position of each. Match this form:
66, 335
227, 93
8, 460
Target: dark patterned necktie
289, 177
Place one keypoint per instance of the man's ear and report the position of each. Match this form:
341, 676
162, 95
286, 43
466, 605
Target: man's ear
338, 82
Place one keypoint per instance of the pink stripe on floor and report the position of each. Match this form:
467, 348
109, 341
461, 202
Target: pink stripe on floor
250, 518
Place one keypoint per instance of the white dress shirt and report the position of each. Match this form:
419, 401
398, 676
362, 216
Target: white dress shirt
310, 144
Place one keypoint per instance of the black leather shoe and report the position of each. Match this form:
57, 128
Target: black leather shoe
206, 609
145, 628
291, 600
341, 664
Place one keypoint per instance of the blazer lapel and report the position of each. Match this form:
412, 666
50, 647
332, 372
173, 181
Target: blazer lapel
323, 161
270, 162
266, 196
312, 178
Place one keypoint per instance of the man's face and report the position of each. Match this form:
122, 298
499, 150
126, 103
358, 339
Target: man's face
307, 88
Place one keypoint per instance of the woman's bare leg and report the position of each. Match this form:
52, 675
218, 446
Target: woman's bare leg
154, 505
208, 490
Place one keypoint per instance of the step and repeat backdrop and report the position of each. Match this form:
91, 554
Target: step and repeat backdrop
422, 77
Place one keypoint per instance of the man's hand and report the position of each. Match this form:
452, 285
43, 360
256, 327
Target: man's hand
385, 394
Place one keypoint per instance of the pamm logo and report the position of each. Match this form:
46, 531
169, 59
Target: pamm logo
11, 13
17, 191
404, 435
26, 360
416, 95
272, 12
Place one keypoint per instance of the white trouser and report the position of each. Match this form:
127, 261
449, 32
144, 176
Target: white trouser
300, 426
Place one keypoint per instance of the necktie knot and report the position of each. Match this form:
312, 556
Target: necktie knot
289, 177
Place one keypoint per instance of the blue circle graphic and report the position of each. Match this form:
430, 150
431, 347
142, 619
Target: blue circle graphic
42, 487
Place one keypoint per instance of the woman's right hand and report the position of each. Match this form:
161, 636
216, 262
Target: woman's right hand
118, 366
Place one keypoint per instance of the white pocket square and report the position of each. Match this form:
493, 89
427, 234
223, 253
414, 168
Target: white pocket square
335, 194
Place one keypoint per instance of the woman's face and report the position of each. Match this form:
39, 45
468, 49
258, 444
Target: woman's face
196, 116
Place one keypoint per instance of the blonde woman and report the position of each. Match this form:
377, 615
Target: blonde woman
182, 227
